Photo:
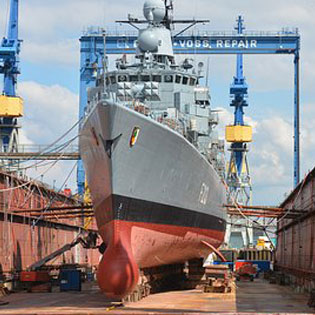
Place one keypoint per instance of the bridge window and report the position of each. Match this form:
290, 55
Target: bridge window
185, 80
192, 81
122, 78
157, 78
178, 79
169, 78
134, 78
145, 78
159, 59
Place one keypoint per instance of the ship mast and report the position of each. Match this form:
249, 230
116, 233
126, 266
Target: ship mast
167, 21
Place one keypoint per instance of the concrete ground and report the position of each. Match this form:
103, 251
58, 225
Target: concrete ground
248, 297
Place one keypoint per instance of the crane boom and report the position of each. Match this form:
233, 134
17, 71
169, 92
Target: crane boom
239, 135
11, 64
11, 106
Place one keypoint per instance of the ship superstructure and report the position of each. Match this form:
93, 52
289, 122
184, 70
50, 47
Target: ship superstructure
151, 160
163, 90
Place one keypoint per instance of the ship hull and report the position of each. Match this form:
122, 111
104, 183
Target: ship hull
155, 201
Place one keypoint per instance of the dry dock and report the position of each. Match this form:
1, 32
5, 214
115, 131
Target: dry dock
249, 297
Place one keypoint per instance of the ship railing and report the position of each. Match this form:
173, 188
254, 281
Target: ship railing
41, 148
202, 32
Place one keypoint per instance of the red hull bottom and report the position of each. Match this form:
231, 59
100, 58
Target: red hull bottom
134, 245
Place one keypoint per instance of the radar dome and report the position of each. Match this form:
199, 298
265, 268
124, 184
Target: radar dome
154, 10
148, 41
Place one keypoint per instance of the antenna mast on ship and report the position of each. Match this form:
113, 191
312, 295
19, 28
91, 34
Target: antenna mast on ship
168, 20
169, 13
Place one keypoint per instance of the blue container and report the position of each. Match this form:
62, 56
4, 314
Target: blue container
70, 280
263, 265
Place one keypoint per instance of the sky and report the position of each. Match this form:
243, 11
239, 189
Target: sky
49, 82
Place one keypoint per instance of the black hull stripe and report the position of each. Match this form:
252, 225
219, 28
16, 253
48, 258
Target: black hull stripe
135, 210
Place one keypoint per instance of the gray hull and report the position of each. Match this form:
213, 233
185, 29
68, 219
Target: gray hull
158, 202
162, 167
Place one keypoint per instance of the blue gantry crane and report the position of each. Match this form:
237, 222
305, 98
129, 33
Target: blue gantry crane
11, 105
239, 135
203, 42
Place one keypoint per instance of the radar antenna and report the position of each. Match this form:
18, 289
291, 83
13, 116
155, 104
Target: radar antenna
168, 20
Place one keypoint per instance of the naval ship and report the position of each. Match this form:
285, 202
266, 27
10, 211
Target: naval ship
150, 156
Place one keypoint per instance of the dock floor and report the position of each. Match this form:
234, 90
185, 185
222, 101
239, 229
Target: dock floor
249, 297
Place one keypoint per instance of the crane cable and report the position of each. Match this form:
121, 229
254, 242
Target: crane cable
33, 179
255, 222
40, 153
195, 8
295, 199
264, 228
59, 150
52, 199
236, 205
38, 163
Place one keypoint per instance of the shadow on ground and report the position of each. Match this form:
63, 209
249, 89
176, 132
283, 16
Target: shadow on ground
249, 297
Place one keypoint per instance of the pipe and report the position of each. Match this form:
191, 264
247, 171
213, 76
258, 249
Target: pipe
54, 209
215, 250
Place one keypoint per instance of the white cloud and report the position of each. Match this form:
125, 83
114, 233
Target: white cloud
64, 52
49, 112
48, 19
277, 132
271, 153
269, 156
226, 117
23, 138
268, 168
55, 175
297, 12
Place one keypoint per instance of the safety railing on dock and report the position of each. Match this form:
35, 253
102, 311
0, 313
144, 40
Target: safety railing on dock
42, 152
200, 32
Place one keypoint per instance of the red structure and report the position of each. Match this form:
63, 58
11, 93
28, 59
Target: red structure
295, 255
28, 237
